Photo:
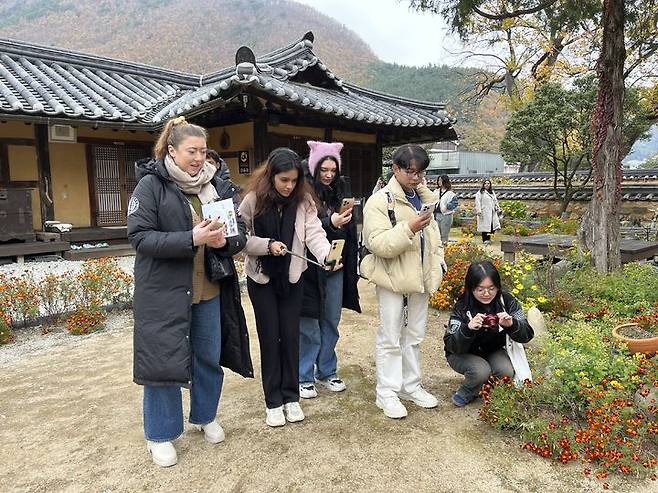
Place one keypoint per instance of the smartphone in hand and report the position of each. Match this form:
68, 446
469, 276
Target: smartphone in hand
336, 252
346, 204
425, 208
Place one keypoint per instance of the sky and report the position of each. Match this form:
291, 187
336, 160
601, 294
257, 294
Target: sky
395, 34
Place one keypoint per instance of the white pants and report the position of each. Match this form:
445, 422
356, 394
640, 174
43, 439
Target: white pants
397, 347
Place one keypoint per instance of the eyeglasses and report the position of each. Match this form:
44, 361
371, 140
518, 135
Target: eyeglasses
413, 173
482, 290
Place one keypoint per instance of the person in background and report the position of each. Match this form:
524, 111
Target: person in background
186, 324
406, 264
486, 211
326, 293
223, 173
475, 337
281, 217
446, 207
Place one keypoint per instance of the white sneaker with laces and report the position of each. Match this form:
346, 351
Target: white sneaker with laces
420, 397
334, 384
293, 412
275, 417
392, 407
307, 391
163, 453
213, 432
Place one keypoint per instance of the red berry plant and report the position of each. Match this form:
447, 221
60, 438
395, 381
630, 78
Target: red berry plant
594, 403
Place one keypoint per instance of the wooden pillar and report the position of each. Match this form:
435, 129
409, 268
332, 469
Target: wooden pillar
328, 135
261, 143
45, 177
4, 164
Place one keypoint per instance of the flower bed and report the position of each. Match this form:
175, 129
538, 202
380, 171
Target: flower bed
83, 296
586, 403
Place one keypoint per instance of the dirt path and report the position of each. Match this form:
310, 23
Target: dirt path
70, 420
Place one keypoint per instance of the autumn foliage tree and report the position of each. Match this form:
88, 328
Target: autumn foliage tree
617, 31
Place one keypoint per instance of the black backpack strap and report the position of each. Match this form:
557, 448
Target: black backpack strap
391, 207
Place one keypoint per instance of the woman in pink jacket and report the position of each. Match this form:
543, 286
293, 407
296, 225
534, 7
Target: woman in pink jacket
281, 217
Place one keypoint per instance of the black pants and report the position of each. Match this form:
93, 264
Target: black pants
277, 324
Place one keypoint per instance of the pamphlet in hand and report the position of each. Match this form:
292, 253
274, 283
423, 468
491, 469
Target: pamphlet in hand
224, 212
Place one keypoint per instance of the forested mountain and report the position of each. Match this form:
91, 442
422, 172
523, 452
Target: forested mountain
201, 36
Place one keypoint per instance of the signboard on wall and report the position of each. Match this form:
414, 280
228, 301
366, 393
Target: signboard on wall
244, 167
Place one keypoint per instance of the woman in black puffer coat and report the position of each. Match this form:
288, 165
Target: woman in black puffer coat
326, 293
187, 311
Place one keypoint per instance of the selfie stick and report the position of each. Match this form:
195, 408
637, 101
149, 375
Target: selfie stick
307, 259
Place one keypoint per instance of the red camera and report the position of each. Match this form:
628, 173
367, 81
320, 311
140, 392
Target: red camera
490, 322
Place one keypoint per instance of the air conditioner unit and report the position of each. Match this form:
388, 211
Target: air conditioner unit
62, 133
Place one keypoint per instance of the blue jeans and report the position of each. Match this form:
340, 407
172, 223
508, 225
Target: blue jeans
163, 406
318, 338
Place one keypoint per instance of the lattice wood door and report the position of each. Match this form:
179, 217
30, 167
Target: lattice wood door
113, 171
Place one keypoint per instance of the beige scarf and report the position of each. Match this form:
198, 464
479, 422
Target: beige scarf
198, 184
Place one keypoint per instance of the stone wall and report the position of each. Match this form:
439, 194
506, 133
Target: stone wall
642, 210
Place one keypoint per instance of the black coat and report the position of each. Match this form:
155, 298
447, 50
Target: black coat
160, 230
315, 279
460, 339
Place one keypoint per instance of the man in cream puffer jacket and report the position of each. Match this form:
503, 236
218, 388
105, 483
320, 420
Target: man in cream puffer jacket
406, 264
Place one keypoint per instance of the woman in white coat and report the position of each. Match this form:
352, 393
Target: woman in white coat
487, 210
446, 207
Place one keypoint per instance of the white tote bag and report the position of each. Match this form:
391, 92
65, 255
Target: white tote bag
517, 356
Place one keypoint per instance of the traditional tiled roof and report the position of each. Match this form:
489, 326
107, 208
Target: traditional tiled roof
45, 82
40, 81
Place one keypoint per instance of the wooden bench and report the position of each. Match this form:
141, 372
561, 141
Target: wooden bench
122, 250
20, 250
549, 244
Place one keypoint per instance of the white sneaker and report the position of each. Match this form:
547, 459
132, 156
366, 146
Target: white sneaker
275, 417
163, 453
334, 384
213, 432
307, 391
420, 397
293, 412
392, 407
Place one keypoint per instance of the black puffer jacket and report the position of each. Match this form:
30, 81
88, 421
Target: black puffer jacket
315, 279
160, 230
460, 339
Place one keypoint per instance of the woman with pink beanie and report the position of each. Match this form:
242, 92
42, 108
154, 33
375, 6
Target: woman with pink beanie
326, 293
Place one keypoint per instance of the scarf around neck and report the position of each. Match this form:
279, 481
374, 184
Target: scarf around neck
277, 224
199, 185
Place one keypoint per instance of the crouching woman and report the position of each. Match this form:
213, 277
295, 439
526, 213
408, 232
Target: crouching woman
475, 337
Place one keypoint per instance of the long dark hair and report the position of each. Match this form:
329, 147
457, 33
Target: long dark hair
482, 189
478, 272
328, 196
261, 183
445, 182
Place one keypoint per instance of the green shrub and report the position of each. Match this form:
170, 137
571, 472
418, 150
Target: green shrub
514, 209
626, 292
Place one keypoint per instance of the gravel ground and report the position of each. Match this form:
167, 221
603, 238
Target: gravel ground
57, 267
70, 420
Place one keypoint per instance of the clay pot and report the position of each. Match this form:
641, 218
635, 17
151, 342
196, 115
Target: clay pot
648, 346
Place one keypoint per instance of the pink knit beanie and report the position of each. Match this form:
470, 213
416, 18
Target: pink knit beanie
320, 150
